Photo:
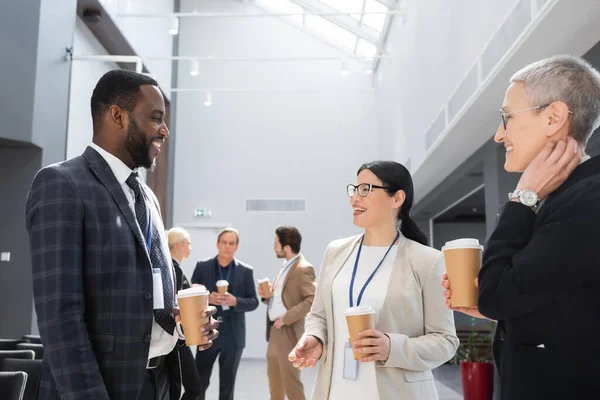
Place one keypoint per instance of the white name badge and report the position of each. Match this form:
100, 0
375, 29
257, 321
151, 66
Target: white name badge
157, 286
225, 307
350, 364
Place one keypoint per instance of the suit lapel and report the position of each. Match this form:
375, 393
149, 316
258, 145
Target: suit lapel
237, 278
336, 266
102, 170
289, 273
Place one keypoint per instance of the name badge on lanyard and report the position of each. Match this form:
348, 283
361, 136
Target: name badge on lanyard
350, 370
157, 283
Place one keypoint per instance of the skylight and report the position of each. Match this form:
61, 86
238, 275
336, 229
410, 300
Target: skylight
358, 34
284, 7
347, 6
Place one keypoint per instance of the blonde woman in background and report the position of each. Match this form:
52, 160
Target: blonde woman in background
391, 269
180, 246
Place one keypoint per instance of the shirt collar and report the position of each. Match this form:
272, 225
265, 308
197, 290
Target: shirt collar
291, 261
584, 159
118, 167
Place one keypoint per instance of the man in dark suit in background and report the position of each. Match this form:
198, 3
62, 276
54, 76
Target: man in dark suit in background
539, 277
231, 308
102, 276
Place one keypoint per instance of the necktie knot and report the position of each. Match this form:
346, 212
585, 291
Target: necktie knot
133, 182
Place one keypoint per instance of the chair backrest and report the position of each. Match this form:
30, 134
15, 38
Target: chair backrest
33, 368
9, 344
23, 354
37, 348
12, 385
32, 339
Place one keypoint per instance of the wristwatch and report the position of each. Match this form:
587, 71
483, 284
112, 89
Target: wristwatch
526, 197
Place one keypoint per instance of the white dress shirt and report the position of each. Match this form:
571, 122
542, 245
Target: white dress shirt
365, 386
276, 307
162, 342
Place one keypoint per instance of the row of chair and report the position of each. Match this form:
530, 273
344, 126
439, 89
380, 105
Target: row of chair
20, 367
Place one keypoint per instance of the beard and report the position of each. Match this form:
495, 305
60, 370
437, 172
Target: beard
137, 147
280, 254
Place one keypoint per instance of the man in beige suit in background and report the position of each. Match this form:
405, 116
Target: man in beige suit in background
289, 300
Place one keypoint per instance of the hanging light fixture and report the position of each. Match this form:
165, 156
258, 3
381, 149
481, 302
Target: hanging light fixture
344, 70
195, 68
174, 29
208, 99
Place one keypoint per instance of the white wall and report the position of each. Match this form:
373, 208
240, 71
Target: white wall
284, 144
432, 49
147, 36
84, 76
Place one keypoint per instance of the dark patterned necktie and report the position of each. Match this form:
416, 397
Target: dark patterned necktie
163, 316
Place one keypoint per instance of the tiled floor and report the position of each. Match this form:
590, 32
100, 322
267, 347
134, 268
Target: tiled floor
253, 374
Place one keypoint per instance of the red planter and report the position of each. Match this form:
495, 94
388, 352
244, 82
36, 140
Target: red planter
477, 380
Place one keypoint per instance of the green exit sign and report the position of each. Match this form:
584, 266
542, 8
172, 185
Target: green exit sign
202, 212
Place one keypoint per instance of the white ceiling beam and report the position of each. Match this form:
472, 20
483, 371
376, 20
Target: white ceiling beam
344, 21
391, 4
319, 38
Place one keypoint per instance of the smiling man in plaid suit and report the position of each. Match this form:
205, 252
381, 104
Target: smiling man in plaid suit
102, 276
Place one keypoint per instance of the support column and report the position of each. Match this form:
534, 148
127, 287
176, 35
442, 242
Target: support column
35, 80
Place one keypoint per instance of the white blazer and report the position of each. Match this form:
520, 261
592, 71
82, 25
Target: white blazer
413, 315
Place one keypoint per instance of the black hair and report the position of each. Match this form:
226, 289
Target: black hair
289, 236
394, 177
117, 87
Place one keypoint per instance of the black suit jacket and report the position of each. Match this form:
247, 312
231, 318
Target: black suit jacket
541, 280
242, 287
92, 282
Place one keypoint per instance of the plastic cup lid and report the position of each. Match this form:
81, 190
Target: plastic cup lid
263, 280
462, 244
222, 283
360, 310
193, 291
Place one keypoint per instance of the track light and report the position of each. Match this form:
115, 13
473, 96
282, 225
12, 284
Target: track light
195, 68
174, 29
208, 99
344, 70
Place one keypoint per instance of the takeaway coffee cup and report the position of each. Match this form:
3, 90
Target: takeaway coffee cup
265, 286
359, 319
463, 262
222, 286
192, 303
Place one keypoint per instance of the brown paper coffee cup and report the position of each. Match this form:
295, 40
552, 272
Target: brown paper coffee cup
222, 286
359, 319
463, 262
192, 303
265, 286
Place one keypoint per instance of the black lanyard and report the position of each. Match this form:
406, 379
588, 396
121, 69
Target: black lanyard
228, 271
362, 291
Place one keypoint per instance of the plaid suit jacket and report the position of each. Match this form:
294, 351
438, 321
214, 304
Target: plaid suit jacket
92, 282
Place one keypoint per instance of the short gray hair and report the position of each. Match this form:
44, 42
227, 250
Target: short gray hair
571, 80
229, 230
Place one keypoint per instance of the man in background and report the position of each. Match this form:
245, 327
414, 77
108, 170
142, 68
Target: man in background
232, 306
289, 300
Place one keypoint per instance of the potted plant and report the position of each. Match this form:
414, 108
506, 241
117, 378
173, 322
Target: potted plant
476, 368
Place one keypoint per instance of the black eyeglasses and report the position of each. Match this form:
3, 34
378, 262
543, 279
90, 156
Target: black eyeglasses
363, 190
507, 115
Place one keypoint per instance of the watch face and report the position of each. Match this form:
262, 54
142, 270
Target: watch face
529, 198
